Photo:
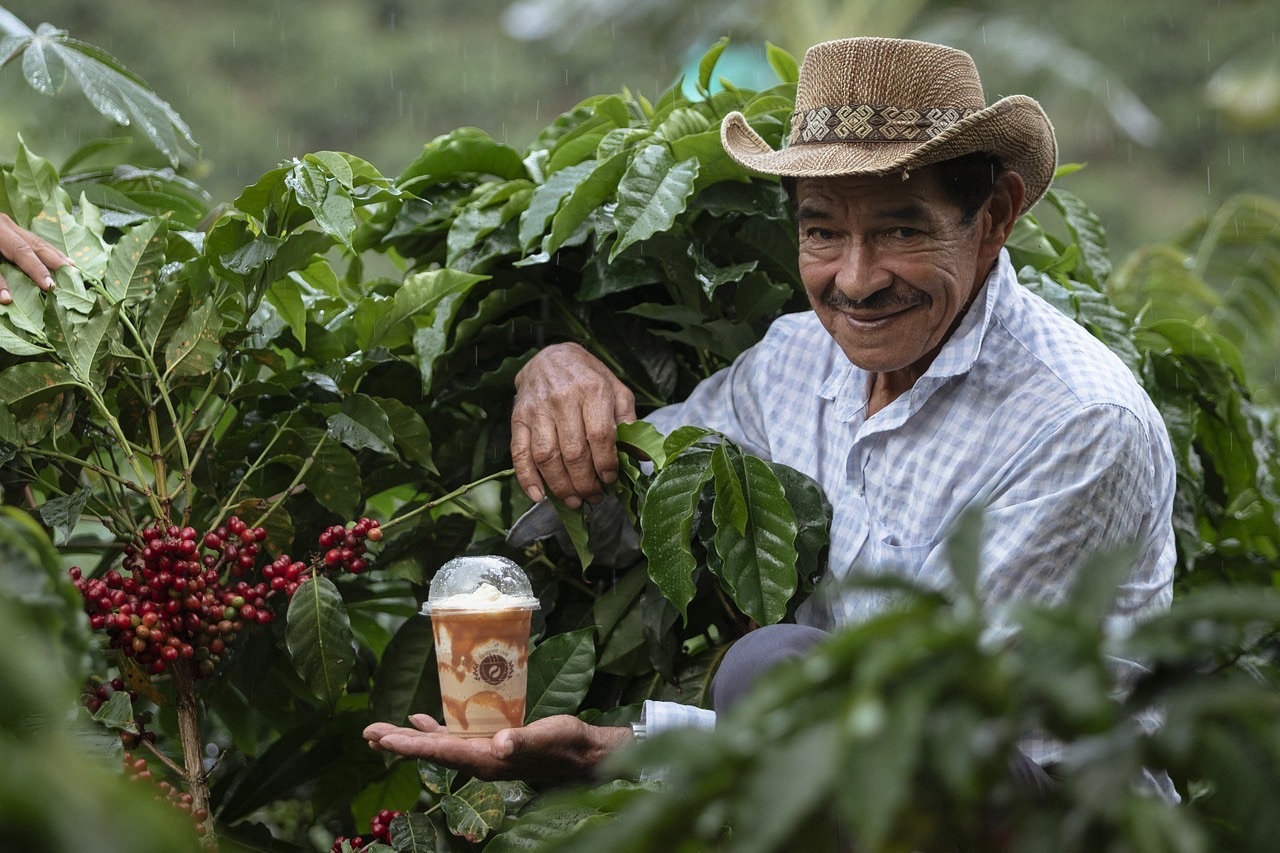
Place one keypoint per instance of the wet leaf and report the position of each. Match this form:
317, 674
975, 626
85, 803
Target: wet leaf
362, 424
133, 268
653, 191
666, 523
560, 672
318, 636
413, 833
474, 810
194, 348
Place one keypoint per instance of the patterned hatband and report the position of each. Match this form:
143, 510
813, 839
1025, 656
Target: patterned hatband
867, 123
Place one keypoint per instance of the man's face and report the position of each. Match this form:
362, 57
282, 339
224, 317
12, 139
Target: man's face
888, 265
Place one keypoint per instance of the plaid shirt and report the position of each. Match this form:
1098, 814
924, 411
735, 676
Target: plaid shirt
1022, 413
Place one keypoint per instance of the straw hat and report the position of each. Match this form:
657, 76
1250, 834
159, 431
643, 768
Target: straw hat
874, 106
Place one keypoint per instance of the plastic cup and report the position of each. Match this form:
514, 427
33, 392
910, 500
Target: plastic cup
480, 609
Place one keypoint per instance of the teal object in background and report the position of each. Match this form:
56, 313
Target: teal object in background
743, 65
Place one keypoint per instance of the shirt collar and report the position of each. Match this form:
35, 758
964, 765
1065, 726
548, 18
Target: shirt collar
846, 385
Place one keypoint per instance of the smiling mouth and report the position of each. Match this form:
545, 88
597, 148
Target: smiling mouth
884, 315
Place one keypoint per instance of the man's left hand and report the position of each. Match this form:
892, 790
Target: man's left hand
555, 749
30, 254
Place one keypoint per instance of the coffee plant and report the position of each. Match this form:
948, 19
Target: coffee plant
253, 431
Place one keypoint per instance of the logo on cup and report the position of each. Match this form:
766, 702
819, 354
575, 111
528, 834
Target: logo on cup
493, 669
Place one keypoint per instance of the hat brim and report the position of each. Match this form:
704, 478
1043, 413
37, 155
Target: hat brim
1015, 129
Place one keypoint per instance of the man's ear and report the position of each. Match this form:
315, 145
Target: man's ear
1002, 211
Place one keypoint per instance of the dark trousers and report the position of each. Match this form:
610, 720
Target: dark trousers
753, 655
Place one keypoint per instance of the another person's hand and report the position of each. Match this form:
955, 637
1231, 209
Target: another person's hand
554, 749
28, 253
564, 425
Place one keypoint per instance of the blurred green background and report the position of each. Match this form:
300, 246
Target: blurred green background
1174, 106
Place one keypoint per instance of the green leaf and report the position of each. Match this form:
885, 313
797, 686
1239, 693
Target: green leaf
82, 344
436, 778
666, 524
118, 94
643, 437
1088, 233
335, 479
56, 225
397, 790
194, 348
474, 810
413, 833
576, 526
405, 683
133, 268
465, 151
31, 380
560, 673
362, 423
782, 63
62, 514
321, 193
318, 636
286, 297
585, 199
26, 312
759, 567
117, 713
418, 296
547, 199
654, 190
546, 828
412, 437
730, 503
682, 438
707, 65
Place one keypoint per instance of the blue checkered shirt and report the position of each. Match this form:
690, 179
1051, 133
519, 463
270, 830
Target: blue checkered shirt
1022, 413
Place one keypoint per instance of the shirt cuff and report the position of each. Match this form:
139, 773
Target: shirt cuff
665, 716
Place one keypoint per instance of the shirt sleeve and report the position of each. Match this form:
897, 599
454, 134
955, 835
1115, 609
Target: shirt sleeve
664, 716
1087, 485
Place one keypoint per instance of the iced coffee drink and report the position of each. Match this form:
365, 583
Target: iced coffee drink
480, 609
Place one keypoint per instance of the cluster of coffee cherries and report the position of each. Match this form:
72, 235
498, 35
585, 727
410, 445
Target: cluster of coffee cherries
136, 768
344, 547
180, 595
379, 827
169, 601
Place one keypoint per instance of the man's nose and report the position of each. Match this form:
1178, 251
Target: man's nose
861, 271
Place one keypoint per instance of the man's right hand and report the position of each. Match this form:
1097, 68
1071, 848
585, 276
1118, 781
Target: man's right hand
564, 425
28, 253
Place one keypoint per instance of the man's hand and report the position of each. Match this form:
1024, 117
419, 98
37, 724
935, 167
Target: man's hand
28, 253
553, 749
564, 425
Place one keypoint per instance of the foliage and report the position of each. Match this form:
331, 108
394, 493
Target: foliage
897, 733
248, 363
58, 790
50, 57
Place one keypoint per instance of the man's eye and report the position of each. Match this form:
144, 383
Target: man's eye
904, 232
822, 234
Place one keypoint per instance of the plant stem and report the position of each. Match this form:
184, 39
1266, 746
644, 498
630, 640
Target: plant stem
86, 465
168, 405
443, 499
302, 472
197, 783
127, 447
257, 463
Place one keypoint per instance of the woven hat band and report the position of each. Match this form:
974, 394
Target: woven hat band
870, 123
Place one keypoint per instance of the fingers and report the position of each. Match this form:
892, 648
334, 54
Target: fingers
36, 258
564, 425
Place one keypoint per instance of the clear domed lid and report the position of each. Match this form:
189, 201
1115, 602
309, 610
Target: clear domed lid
480, 582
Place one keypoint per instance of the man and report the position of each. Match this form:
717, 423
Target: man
30, 254
925, 381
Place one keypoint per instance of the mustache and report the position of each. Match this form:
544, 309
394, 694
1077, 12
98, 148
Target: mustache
882, 300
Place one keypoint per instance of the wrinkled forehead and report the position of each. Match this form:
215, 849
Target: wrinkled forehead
920, 188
